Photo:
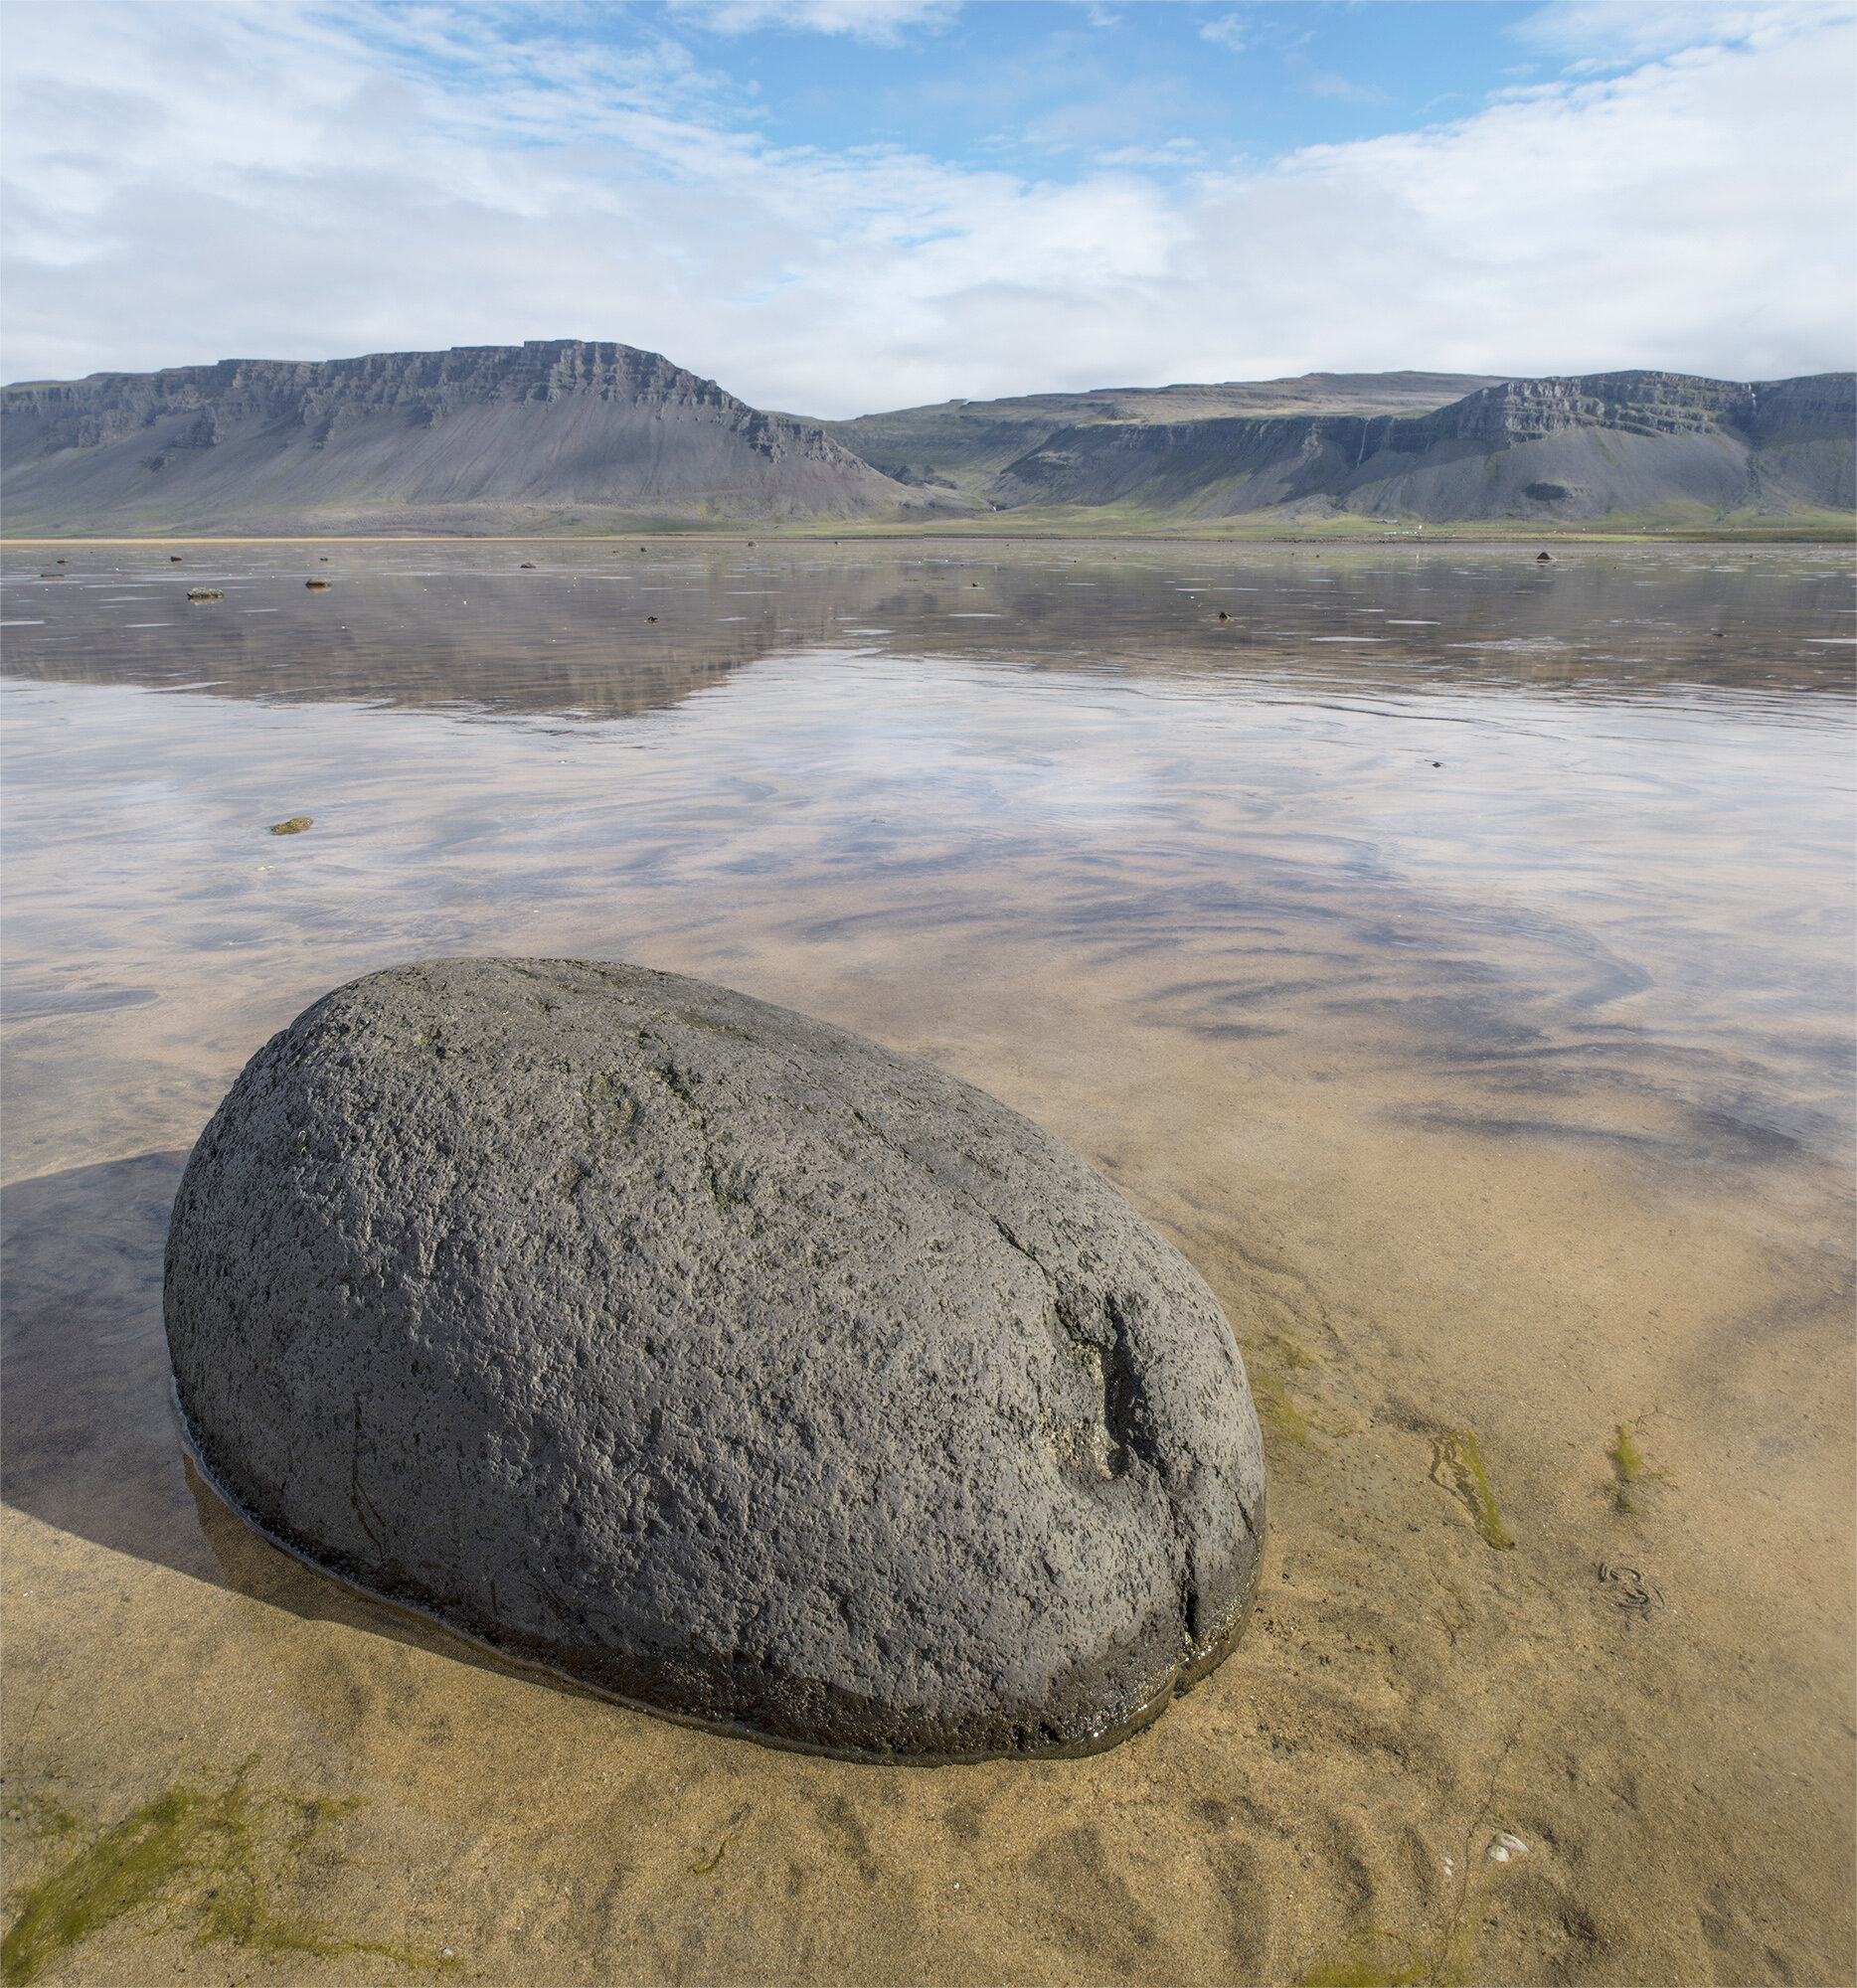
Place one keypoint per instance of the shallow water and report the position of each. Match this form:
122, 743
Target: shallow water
1451, 953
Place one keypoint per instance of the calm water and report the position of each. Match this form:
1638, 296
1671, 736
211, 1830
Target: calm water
1452, 953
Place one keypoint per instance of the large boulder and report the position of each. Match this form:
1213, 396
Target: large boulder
719, 1359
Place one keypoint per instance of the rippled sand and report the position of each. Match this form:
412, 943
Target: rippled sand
1470, 1002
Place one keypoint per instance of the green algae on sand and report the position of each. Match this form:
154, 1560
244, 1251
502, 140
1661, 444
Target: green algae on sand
1632, 1469
209, 1861
1457, 1458
1281, 1414
1628, 1458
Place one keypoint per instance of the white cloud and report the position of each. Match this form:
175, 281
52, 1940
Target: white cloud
1230, 31
1597, 33
881, 20
281, 181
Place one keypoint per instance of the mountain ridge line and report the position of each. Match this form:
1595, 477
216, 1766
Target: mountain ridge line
576, 438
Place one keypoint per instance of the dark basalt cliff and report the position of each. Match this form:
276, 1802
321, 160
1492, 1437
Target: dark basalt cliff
965, 444
558, 433
566, 435
1576, 449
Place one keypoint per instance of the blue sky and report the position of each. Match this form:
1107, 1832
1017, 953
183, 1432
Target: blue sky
835, 205
1042, 86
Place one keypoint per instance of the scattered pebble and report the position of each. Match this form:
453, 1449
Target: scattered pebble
205, 593
527, 566
295, 826
319, 585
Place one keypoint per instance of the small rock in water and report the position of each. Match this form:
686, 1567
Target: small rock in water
174, 559
722, 1360
205, 593
319, 585
527, 566
295, 826
1544, 559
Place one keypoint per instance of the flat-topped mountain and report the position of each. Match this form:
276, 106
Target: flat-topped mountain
1652, 444
963, 445
564, 436
553, 434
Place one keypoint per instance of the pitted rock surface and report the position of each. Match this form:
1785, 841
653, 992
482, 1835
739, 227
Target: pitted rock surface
717, 1358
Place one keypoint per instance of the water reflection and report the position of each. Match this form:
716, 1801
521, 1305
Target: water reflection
589, 632
1454, 959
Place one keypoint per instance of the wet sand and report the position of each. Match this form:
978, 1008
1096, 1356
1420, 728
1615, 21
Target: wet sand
1474, 1019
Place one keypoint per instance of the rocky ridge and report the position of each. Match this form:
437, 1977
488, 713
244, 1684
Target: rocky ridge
481, 439
1577, 448
567, 436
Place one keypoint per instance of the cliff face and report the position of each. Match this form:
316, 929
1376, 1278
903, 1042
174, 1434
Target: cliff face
567, 436
478, 438
1576, 449
965, 444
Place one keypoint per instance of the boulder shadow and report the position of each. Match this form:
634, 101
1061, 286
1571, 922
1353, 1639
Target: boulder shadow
91, 1440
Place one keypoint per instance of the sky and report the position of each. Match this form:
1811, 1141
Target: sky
834, 207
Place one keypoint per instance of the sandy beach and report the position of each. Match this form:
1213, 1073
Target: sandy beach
1509, 1169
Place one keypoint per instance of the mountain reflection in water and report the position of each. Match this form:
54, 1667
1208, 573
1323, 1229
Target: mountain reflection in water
467, 625
1451, 953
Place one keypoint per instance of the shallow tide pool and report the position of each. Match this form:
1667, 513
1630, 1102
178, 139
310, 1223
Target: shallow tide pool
1450, 953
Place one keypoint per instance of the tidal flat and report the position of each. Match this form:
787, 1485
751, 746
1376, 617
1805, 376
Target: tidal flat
1449, 952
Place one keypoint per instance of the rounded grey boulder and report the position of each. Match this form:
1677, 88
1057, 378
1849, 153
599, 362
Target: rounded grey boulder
718, 1359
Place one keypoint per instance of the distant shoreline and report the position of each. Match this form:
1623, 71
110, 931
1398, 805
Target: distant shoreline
1460, 533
